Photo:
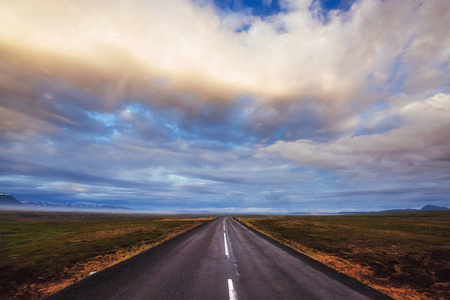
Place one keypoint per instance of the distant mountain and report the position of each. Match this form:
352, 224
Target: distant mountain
192, 212
432, 208
397, 210
6, 200
306, 213
425, 208
72, 206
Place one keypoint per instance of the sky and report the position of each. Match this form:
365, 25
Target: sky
272, 106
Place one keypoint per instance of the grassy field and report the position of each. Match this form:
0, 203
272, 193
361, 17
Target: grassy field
405, 255
42, 252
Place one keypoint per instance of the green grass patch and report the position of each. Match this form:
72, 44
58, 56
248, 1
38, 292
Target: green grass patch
37, 246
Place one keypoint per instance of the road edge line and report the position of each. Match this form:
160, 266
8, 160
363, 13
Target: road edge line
339, 276
127, 261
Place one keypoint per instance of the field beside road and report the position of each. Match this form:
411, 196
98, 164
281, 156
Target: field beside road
404, 255
42, 252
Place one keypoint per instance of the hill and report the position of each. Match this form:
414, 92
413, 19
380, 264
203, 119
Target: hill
71, 206
425, 208
6, 200
432, 208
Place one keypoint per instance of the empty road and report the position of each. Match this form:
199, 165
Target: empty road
219, 260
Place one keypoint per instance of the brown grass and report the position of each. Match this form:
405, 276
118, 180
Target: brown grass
403, 255
81, 270
41, 253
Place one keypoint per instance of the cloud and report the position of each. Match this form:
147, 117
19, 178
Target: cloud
185, 58
188, 64
183, 103
133, 47
420, 144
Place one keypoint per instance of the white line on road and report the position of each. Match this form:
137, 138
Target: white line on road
231, 290
226, 246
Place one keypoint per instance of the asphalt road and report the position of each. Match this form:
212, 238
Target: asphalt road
219, 260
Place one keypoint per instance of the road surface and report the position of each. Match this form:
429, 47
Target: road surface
221, 259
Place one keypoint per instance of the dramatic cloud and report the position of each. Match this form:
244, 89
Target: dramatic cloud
419, 144
202, 104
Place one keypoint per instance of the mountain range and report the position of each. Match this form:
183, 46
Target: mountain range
9, 202
425, 208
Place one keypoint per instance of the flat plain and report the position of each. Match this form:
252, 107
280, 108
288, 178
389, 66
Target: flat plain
43, 252
404, 255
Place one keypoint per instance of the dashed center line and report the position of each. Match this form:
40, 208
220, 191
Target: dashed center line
231, 291
226, 245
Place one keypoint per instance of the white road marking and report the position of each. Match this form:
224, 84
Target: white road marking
231, 290
226, 245
223, 227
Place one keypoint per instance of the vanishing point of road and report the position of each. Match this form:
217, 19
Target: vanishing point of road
220, 259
